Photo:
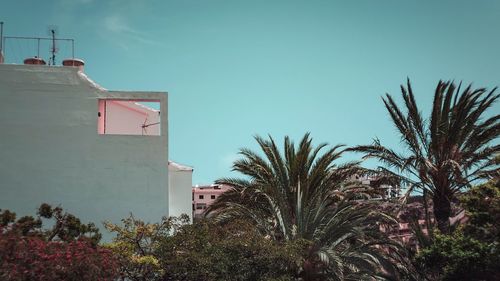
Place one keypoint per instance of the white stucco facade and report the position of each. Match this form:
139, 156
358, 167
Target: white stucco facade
51, 149
180, 184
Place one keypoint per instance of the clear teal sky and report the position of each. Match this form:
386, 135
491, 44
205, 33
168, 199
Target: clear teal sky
234, 68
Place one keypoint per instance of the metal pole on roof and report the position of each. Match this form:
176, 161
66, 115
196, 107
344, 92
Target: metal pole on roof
53, 50
1, 41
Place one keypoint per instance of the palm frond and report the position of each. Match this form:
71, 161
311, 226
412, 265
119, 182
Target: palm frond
300, 192
447, 152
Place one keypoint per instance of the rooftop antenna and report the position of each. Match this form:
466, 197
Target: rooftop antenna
1, 42
53, 48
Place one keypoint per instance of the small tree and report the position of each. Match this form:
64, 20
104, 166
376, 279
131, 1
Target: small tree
136, 244
234, 251
65, 226
176, 250
66, 251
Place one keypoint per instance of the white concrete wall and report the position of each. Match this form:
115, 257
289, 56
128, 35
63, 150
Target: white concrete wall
50, 150
180, 191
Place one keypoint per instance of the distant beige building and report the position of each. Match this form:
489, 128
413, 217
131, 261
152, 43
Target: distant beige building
204, 195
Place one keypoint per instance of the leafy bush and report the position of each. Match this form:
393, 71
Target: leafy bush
136, 246
65, 226
472, 252
66, 251
31, 258
176, 250
236, 251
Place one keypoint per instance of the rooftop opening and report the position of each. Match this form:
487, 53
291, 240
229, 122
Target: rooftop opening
128, 117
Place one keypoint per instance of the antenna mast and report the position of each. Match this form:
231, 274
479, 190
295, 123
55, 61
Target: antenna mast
1, 42
53, 50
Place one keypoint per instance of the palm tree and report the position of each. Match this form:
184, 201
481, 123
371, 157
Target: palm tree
445, 153
301, 194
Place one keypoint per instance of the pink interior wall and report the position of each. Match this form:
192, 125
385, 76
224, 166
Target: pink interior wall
126, 117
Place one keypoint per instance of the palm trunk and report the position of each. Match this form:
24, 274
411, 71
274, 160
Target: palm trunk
442, 212
308, 268
426, 215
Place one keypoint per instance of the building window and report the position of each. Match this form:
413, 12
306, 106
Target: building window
128, 117
201, 206
212, 196
201, 196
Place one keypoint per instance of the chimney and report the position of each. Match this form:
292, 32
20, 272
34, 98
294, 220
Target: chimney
34, 60
75, 63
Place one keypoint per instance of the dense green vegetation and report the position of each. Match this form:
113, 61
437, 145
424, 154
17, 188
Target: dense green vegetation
472, 251
176, 250
297, 213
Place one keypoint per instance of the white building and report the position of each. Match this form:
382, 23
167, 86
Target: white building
387, 190
97, 153
180, 181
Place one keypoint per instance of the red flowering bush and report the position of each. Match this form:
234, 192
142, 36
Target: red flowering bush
29, 253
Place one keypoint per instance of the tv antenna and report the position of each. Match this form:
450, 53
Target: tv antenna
52, 30
1, 42
145, 126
